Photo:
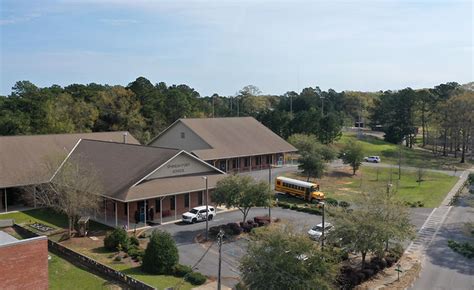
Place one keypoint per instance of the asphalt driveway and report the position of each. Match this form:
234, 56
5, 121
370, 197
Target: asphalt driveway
206, 258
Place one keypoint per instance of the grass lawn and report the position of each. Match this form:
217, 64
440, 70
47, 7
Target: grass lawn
388, 152
96, 251
341, 185
48, 217
64, 275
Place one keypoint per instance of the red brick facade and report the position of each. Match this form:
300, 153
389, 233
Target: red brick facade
24, 265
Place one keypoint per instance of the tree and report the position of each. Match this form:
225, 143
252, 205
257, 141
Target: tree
74, 189
420, 174
330, 126
161, 254
309, 143
461, 119
352, 154
311, 164
242, 192
375, 219
280, 258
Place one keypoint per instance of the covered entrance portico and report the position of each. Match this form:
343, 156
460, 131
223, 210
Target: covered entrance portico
151, 211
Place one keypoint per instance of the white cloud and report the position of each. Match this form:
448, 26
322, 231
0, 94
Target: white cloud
19, 19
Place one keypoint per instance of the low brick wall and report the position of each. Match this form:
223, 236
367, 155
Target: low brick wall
93, 265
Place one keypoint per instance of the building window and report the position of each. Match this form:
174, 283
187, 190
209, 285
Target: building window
186, 200
172, 200
182, 135
125, 207
158, 204
200, 197
234, 163
258, 160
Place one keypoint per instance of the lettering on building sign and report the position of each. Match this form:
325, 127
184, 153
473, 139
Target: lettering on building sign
178, 168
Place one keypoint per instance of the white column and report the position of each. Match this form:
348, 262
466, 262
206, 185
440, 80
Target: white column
175, 207
161, 210
128, 215
116, 214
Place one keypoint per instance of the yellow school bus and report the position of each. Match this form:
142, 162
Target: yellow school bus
306, 190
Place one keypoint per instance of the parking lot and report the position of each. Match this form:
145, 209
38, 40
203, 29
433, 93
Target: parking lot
207, 256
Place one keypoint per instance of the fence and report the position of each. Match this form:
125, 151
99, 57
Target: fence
77, 258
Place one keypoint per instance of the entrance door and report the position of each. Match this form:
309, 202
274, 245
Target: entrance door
142, 210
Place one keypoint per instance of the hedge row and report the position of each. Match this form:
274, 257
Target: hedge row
350, 277
189, 275
235, 229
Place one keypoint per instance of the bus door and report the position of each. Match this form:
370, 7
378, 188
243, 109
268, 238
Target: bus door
307, 194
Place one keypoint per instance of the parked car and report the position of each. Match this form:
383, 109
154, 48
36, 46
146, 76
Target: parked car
316, 232
198, 214
374, 159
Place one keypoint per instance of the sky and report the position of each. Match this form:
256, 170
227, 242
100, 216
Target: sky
222, 46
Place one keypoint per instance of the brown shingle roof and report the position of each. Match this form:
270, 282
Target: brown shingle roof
118, 165
22, 157
234, 137
171, 185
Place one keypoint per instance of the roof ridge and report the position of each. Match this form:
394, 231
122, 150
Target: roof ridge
129, 144
64, 134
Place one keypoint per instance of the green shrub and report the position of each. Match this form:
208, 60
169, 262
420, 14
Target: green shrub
344, 204
117, 240
294, 207
161, 254
136, 252
331, 201
180, 270
196, 278
118, 258
466, 249
471, 178
134, 241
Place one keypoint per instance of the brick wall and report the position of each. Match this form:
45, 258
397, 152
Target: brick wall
24, 264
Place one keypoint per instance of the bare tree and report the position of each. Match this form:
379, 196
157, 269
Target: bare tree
73, 188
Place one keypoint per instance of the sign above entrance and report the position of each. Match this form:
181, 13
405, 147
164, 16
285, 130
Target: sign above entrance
182, 164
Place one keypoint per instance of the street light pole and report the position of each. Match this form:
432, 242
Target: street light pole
219, 241
322, 235
207, 208
270, 187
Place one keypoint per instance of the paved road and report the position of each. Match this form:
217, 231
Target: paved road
190, 252
442, 267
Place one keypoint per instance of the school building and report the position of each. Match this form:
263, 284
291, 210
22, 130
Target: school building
231, 144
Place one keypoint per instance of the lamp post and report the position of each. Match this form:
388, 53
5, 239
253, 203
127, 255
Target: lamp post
322, 234
207, 208
270, 188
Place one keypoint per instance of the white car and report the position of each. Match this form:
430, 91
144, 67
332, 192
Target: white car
198, 214
374, 159
316, 232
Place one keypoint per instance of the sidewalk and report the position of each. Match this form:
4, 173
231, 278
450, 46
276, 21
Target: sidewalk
412, 260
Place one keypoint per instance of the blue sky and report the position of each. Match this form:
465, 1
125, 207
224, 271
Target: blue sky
221, 46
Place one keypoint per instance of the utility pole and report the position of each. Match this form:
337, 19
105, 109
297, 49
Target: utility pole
270, 187
322, 234
207, 208
400, 161
219, 242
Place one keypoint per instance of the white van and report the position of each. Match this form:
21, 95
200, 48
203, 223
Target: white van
198, 214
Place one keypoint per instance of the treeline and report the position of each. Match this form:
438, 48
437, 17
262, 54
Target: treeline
443, 113
146, 109
443, 116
